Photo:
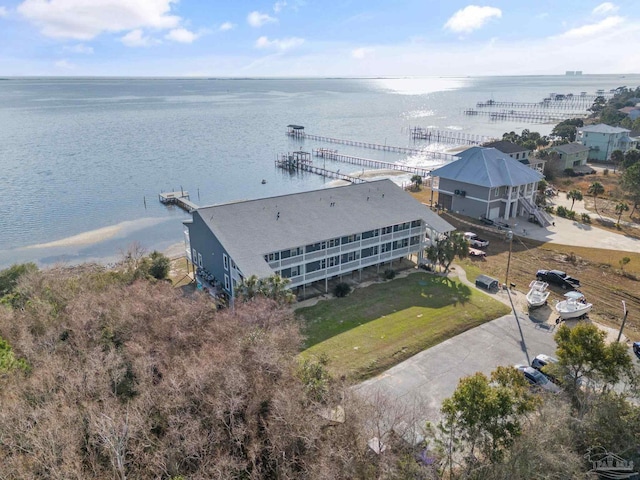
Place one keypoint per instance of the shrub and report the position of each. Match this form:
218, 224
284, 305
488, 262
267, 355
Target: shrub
562, 211
571, 215
586, 218
342, 289
571, 257
549, 209
605, 171
160, 265
389, 274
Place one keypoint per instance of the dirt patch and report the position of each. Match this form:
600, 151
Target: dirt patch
603, 281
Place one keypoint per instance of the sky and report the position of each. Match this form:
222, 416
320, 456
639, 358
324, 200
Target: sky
314, 38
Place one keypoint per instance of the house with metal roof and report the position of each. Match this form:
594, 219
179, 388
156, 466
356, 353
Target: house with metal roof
570, 155
308, 237
487, 183
603, 139
518, 152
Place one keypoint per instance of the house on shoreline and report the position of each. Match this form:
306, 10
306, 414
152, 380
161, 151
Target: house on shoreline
308, 237
603, 139
485, 182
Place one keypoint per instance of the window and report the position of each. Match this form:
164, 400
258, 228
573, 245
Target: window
333, 261
386, 230
414, 240
415, 223
225, 261
315, 247
194, 255
496, 192
272, 257
334, 242
199, 259
226, 282
371, 234
385, 247
370, 252
401, 243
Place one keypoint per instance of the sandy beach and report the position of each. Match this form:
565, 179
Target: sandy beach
100, 234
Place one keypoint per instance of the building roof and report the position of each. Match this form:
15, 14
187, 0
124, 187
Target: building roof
570, 148
602, 128
628, 110
506, 147
487, 167
250, 229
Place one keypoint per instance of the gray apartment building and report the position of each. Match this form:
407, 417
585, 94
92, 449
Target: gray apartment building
308, 237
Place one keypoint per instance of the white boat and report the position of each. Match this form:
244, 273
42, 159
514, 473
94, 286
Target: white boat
575, 306
538, 294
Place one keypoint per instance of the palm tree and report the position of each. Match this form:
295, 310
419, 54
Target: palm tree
456, 245
595, 189
620, 209
417, 181
574, 195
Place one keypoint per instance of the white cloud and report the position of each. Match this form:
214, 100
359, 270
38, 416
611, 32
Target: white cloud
257, 19
136, 38
79, 48
360, 53
593, 29
279, 5
227, 26
3, 11
605, 8
64, 65
471, 17
85, 19
181, 35
279, 44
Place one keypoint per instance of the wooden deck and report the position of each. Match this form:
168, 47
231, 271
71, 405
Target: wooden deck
181, 199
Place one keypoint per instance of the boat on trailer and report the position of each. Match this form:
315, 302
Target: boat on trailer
574, 306
538, 294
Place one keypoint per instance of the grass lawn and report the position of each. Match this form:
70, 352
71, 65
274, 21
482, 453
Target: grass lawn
381, 325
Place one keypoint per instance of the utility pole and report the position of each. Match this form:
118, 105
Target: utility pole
510, 238
624, 319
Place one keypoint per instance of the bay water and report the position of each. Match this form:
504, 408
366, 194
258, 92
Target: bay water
82, 160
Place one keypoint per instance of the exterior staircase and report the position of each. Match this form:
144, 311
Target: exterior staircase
543, 218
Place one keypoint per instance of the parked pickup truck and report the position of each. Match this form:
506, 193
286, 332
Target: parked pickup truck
557, 277
475, 241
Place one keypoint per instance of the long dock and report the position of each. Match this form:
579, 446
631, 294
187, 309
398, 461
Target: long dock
448, 136
532, 116
330, 154
293, 163
181, 199
373, 146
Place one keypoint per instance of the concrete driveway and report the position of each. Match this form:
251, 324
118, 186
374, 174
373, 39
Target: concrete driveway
429, 377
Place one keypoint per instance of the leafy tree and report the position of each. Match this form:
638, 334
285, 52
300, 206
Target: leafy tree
342, 289
620, 209
617, 157
484, 416
631, 157
417, 181
9, 276
624, 261
588, 362
160, 265
598, 104
566, 130
595, 189
631, 183
574, 195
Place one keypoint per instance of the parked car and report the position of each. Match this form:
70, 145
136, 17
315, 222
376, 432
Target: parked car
636, 349
487, 221
541, 361
537, 379
475, 241
557, 277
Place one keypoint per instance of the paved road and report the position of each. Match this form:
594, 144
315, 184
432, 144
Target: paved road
429, 377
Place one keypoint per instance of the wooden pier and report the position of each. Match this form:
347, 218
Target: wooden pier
531, 116
448, 137
181, 199
330, 154
301, 162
